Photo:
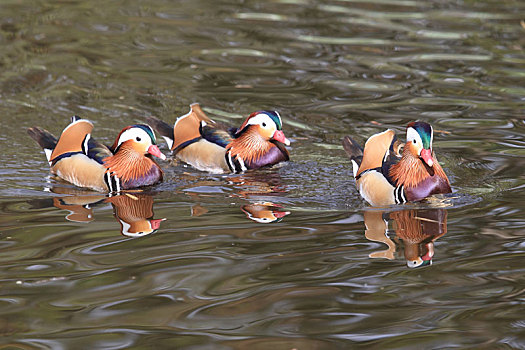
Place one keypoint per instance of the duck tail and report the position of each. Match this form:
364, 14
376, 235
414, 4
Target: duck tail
44, 138
164, 129
354, 151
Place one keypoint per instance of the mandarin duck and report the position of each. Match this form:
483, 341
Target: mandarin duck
384, 176
204, 144
84, 162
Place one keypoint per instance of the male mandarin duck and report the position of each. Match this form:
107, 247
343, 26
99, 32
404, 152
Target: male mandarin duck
384, 176
84, 162
199, 141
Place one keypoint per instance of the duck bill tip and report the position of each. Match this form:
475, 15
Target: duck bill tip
280, 214
426, 155
155, 151
155, 223
278, 135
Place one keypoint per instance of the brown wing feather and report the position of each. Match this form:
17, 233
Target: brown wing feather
375, 150
187, 127
72, 138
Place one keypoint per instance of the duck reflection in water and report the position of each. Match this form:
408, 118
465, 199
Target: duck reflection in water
265, 212
133, 211
415, 229
260, 190
135, 214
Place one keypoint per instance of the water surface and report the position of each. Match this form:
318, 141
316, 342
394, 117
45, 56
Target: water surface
288, 257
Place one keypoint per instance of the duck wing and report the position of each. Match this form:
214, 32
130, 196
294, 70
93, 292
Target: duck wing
216, 133
98, 151
354, 151
381, 151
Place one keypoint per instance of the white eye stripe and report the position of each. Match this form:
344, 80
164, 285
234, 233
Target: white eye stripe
132, 134
280, 120
261, 119
412, 135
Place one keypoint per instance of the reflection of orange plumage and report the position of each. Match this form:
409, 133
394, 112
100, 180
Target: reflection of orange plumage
135, 214
253, 186
419, 229
77, 202
375, 231
134, 211
250, 185
416, 228
79, 207
257, 188
264, 212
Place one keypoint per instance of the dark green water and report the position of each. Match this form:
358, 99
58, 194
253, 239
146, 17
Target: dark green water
220, 272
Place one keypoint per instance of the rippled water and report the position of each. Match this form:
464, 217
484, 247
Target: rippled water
288, 257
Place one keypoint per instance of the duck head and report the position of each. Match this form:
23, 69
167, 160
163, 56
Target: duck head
265, 212
423, 254
419, 141
140, 138
267, 124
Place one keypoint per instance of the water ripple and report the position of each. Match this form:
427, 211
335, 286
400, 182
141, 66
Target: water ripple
312, 277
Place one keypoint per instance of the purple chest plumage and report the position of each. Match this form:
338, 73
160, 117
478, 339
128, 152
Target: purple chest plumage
431, 185
151, 177
274, 155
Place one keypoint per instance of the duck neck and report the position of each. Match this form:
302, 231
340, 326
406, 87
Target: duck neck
127, 164
249, 146
410, 170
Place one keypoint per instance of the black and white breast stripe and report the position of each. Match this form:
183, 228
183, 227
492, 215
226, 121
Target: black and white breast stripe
399, 194
112, 181
236, 164
85, 144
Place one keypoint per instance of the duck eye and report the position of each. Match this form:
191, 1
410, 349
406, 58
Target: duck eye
138, 139
264, 125
414, 141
